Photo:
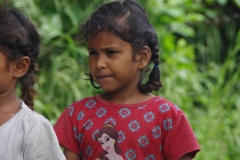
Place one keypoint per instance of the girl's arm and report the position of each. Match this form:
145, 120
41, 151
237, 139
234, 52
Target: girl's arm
186, 157
70, 155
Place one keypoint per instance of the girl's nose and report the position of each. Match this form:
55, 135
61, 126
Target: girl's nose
101, 62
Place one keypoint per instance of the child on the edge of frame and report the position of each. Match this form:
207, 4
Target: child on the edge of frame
24, 134
126, 121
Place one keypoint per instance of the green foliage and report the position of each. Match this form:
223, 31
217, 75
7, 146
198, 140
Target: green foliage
200, 59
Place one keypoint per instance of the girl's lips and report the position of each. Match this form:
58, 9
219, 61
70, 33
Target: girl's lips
103, 76
107, 148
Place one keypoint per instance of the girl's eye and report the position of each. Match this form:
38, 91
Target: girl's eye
92, 52
110, 52
107, 139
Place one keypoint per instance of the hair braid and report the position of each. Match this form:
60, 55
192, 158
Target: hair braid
153, 82
27, 89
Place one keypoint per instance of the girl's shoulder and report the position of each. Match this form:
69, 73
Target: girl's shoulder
159, 100
86, 101
27, 121
82, 104
32, 118
166, 107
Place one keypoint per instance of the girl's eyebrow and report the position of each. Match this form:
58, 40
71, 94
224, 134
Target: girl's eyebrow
105, 137
90, 48
104, 49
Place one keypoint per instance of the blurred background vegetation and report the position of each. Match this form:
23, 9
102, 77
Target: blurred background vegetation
200, 59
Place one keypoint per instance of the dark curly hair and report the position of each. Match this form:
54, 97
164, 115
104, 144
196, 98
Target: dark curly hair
18, 37
128, 21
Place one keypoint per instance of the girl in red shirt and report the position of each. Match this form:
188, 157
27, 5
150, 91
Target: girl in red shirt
123, 47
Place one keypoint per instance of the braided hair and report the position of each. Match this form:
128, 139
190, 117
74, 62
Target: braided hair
128, 21
19, 36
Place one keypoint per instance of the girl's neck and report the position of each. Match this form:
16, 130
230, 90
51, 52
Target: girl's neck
9, 102
129, 98
9, 105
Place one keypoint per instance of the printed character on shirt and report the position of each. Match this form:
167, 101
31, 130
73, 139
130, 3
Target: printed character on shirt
108, 138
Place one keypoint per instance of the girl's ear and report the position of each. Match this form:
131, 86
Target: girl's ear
143, 57
20, 66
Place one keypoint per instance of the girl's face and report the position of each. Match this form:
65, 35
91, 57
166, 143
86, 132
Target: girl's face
111, 63
107, 142
6, 78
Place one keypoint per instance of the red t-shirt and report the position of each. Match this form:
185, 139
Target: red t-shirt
152, 130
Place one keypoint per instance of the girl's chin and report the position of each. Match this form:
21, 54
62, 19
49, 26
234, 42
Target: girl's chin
108, 89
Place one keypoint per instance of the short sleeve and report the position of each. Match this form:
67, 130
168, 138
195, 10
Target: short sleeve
64, 129
41, 143
180, 140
